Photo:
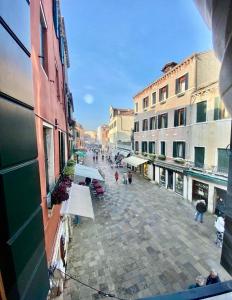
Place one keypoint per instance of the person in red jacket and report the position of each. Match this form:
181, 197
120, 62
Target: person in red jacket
116, 176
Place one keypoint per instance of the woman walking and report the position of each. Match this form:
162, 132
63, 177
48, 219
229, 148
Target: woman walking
116, 176
130, 177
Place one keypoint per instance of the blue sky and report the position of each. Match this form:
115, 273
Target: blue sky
117, 47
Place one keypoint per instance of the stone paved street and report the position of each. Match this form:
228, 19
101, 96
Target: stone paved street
142, 242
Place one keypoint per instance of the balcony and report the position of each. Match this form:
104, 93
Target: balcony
209, 169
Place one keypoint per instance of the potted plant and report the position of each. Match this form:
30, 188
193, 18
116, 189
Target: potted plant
152, 156
162, 157
144, 153
179, 160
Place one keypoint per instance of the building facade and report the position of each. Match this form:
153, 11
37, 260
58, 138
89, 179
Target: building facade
23, 262
178, 120
79, 136
120, 127
102, 136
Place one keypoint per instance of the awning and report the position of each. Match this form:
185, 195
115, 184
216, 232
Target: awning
134, 161
84, 171
124, 152
79, 202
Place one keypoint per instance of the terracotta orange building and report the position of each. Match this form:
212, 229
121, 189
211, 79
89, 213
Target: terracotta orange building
49, 60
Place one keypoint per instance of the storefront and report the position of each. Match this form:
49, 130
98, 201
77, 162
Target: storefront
179, 183
200, 191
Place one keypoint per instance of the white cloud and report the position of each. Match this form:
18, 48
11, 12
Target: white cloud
88, 98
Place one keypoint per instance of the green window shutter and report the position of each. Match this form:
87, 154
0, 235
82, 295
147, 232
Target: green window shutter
201, 111
166, 121
159, 121
177, 85
150, 147
186, 81
223, 161
160, 95
185, 113
217, 110
167, 91
199, 156
155, 122
183, 150
176, 118
174, 149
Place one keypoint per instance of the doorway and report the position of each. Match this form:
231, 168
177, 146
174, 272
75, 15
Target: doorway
170, 179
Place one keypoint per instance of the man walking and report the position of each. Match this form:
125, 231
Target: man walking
201, 208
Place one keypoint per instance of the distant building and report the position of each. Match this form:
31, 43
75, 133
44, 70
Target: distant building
79, 137
120, 127
183, 129
103, 136
90, 137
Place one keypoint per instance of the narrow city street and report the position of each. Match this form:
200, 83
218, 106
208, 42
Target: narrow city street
142, 242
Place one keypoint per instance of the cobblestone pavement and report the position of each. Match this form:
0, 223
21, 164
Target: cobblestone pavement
142, 242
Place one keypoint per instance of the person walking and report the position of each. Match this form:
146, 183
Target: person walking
93, 158
220, 226
116, 176
129, 177
97, 158
200, 281
212, 278
201, 208
125, 178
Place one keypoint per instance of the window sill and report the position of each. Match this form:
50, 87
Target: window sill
163, 101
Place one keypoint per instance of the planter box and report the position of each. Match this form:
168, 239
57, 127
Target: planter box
162, 157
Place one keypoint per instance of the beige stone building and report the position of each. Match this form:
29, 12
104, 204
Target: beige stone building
103, 136
120, 128
90, 137
182, 129
79, 136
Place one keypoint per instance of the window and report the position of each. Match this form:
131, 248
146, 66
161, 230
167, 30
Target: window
199, 157
223, 161
162, 176
145, 102
201, 111
180, 117
145, 124
182, 84
152, 147
55, 17
163, 121
153, 123
57, 85
61, 150
154, 98
49, 157
144, 147
163, 93
136, 107
219, 109
179, 186
162, 148
136, 126
136, 146
179, 149
43, 41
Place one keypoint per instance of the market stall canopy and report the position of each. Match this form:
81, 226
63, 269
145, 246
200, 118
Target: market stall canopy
124, 152
81, 153
84, 171
79, 202
134, 161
